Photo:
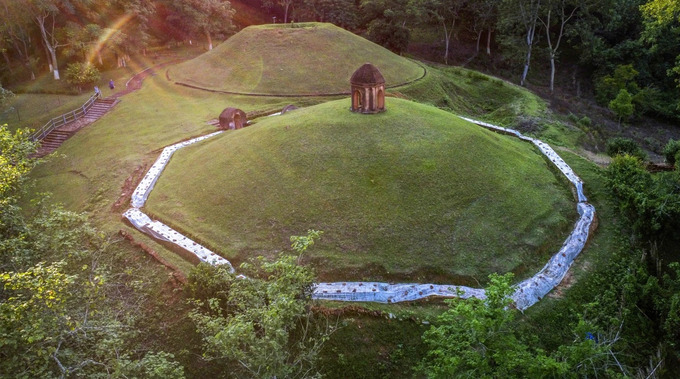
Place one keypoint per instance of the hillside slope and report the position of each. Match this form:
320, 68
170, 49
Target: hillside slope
413, 193
292, 59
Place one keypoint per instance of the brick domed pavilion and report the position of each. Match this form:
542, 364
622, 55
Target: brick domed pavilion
368, 90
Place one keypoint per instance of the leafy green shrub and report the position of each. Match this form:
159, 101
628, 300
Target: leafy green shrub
624, 146
609, 86
671, 151
622, 105
585, 122
80, 74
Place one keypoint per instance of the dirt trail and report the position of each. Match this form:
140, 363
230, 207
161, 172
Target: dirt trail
135, 83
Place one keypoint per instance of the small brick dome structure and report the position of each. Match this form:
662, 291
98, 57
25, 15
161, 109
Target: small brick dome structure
232, 118
368, 90
288, 108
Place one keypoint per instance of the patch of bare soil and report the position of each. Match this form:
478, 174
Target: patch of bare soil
128, 188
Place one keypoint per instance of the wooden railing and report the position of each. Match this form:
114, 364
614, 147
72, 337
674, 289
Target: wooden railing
65, 118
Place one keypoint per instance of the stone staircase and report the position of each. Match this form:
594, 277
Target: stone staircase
57, 137
53, 141
99, 108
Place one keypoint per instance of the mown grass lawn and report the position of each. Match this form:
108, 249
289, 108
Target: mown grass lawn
88, 171
414, 193
309, 58
383, 231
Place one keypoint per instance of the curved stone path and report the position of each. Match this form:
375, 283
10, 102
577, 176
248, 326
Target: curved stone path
527, 292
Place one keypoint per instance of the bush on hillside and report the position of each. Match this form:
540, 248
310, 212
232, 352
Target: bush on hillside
624, 146
671, 151
80, 74
609, 86
585, 122
622, 105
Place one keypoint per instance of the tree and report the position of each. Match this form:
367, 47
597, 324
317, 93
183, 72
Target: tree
671, 151
67, 317
262, 323
523, 14
80, 74
285, 4
609, 86
662, 11
32, 312
660, 15
386, 21
206, 17
481, 338
650, 203
16, 29
343, 13
445, 13
484, 13
134, 35
474, 338
391, 36
63, 311
560, 12
44, 14
622, 105
15, 163
83, 40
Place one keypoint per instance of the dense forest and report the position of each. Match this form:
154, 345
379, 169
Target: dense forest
76, 301
610, 50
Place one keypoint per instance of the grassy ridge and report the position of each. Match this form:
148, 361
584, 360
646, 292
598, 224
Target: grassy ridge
309, 58
468, 92
414, 193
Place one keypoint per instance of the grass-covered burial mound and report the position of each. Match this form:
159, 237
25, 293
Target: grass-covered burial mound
291, 59
413, 194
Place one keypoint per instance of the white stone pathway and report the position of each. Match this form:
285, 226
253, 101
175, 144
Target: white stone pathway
527, 293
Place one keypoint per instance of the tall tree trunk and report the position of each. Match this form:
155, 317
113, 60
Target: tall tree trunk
552, 72
488, 41
49, 58
53, 53
553, 48
447, 39
285, 13
210, 45
479, 37
48, 45
530, 44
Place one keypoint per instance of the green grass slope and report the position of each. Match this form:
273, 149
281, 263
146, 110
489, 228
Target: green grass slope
471, 93
309, 58
414, 193
90, 171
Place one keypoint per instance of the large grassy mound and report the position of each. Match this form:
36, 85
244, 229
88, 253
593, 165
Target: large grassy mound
309, 58
413, 193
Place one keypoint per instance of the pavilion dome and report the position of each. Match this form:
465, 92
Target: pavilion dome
367, 74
